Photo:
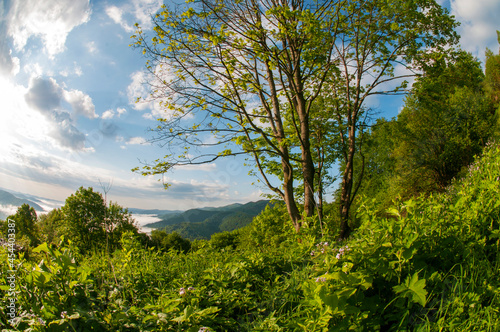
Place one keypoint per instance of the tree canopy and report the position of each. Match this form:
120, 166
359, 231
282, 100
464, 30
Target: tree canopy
260, 76
90, 223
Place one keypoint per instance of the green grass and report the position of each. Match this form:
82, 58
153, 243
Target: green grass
433, 266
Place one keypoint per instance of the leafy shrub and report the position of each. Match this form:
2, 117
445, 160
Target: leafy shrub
224, 240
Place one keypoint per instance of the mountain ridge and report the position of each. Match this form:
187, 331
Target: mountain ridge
202, 223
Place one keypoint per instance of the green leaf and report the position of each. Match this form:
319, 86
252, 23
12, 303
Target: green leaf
42, 248
413, 289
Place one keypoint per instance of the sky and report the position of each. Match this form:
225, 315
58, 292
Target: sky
68, 117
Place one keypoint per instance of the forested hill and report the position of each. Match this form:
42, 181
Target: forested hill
202, 223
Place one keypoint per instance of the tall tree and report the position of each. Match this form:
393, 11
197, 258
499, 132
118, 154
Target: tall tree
84, 212
446, 121
492, 72
251, 71
382, 44
90, 223
25, 221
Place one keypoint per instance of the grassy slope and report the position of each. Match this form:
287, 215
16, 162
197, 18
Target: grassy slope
434, 266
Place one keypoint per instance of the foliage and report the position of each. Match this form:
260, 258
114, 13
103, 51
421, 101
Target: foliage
446, 121
449, 96
90, 223
169, 241
25, 220
85, 214
52, 226
269, 77
431, 265
492, 74
202, 223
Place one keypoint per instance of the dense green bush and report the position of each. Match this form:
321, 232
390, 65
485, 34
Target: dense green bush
173, 241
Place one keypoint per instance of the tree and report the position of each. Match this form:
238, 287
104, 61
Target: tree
52, 225
446, 121
383, 43
26, 223
119, 221
379, 163
84, 212
492, 74
90, 223
167, 241
251, 72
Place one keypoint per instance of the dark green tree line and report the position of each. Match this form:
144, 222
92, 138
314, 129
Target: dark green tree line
447, 119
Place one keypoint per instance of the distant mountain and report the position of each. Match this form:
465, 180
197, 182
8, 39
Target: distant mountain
7, 198
202, 223
154, 211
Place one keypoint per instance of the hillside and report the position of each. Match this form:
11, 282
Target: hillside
8, 199
202, 223
153, 211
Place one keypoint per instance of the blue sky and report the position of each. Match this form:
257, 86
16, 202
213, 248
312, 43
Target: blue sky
68, 82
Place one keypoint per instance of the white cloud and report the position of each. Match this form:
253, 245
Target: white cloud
51, 20
81, 103
7, 210
479, 22
36, 114
45, 95
109, 114
8, 64
66, 134
116, 14
121, 111
139, 95
136, 11
33, 69
91, 47
202, 167
136, 140
76, 70
137, 89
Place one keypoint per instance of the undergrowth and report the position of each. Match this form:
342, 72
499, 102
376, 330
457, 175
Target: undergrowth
432, 265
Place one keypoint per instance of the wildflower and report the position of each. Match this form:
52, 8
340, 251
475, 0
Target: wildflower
312, 253
182, 292
338, 256
64, 314
320, 279
190, 289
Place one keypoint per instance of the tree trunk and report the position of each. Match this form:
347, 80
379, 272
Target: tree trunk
347, 184
307, 170
288, 195
320, 196
305, 143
